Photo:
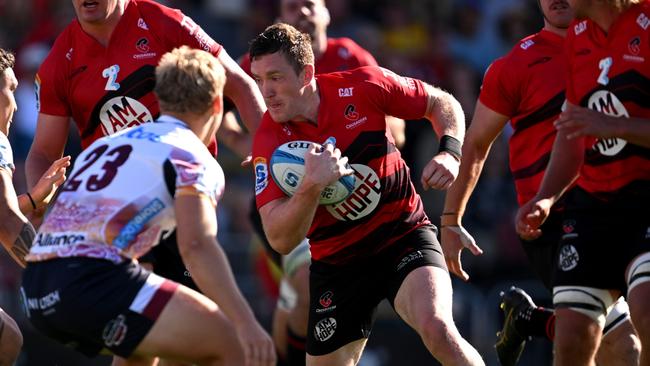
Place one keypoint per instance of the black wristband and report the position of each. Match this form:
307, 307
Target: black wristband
451, 145
31, 200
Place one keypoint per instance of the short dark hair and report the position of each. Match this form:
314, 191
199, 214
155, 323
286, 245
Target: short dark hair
7, 60
284, 38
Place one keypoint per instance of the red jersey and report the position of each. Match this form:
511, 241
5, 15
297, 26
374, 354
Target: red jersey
610, 73
107, 89
384, 205
341, 54
527, 85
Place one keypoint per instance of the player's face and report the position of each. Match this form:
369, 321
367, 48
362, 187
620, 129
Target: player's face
557, 12
280, 85
8, 106
95, 11
308, 16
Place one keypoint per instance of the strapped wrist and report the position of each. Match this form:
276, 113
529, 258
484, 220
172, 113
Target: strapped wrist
451, 145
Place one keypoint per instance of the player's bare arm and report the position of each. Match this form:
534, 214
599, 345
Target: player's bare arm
484, 129
241, 89
205, 259
16, 233
287, 220
448, 119
48, 145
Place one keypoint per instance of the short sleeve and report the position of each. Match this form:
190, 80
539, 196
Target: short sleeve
6, 155
197, 174
396, 95
182, 30
571, 94
264, 143
498, 91
49, 87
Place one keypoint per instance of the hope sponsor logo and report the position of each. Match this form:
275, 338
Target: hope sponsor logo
122, 112
115, 331
261, 175
568, 258
58, 239
325, 329
606, 102
363, 200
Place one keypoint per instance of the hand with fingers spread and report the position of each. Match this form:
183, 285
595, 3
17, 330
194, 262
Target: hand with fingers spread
46, 186
440, 172
324, 165
580, 122
531, 216
258, 346
454, 238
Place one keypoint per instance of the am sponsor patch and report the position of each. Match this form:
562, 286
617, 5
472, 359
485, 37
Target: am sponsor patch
261, 174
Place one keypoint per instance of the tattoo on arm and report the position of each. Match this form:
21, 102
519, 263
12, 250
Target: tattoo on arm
23, 243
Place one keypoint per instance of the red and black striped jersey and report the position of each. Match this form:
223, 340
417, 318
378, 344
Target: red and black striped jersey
610, 72
107, 89
384, 205
341, 54
527, 85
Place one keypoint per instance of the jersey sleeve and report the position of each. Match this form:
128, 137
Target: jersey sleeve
264, 143
179, 29
196, 174
396, 95
6, 155
49, 85
499, 92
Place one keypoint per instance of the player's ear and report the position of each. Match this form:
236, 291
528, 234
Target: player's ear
308, 72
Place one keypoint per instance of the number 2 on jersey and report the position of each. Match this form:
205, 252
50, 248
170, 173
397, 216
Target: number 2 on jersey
95, 182
111, 73
604, 65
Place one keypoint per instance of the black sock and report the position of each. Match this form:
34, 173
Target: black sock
296, 354
536, 322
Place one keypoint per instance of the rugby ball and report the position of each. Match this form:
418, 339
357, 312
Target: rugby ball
288, 167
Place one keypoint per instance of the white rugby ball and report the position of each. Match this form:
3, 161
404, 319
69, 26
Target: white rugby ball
288, 168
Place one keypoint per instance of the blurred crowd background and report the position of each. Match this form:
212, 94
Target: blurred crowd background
448, 43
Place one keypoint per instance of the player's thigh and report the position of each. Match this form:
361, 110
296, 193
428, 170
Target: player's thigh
425, 293
191, 327
348, 355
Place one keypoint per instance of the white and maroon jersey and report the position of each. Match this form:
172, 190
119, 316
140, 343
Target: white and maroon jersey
107, 89
610, 73
119, 199
6, 154
384, 205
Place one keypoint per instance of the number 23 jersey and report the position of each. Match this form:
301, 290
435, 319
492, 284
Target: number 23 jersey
119, 199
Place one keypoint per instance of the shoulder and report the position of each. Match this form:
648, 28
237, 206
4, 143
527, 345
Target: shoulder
158, 13
63, 47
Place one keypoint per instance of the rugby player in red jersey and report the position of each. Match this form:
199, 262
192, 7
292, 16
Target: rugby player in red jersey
330, 55
603, 137
16, 232
527, 88
361, 254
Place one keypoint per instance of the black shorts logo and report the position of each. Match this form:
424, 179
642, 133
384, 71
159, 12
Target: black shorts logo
115, 331
326, 299
325, 329
568, 258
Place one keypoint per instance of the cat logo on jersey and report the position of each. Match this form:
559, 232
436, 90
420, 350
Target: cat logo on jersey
122, 112
606, 102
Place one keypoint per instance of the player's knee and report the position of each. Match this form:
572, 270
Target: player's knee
588, 301
436, 332
620, 347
